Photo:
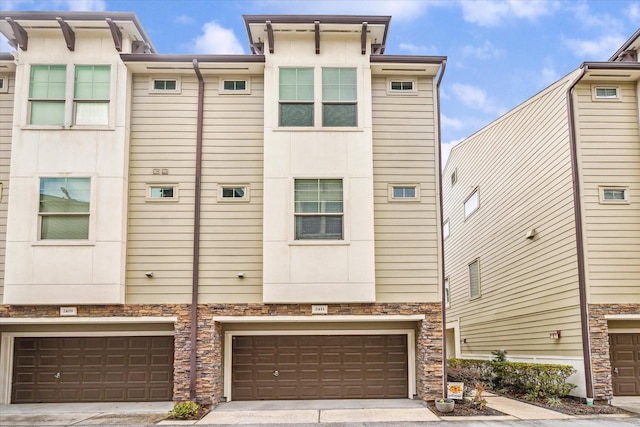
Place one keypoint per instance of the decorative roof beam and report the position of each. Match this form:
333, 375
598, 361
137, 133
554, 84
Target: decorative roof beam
21, 39
270, 36
116, 34
317, 30
67, 32
363, 38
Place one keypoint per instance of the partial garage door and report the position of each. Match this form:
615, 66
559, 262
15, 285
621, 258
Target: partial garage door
625, 364
92, 369
319, 367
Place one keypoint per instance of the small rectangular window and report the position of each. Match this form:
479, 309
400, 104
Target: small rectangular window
64, 208
614, 195
4, 84
401, 86
454, 177
164, 85
234, 86
296, 96
404, 192
606, 92
445, 229
233, 193
318, 209
162, 192
474, 279
471, 204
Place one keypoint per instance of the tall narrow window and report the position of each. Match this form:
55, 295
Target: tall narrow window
318, 209
64, 208
474, 279
471, 204
339, 97
47, 94
91, 94
296, 97
447, 292
445, 229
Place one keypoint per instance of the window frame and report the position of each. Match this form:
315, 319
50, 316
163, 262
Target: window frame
246, 198
479, 288
391, 192
4, 86
339, 102
594, 93
148, 197
447, 292
32, 100
446, 229
245, 91
475, 192
454, 177
77, 101
295, 239
39, 240
152, 85
604, 201
309, 102
412, 92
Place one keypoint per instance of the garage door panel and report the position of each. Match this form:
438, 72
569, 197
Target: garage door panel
319, 367
92, 369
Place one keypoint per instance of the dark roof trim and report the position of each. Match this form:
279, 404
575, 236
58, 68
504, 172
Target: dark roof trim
67, 32
146, 57
625, 46
407, 59
22, 38
6, 56
611, 65
81, 16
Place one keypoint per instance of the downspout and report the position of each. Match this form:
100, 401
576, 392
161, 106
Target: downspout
196, 238
444, 297
577, 212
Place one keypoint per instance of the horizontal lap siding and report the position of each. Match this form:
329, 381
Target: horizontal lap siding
521, 166
163, 136
406, 233
610, 155
6, 122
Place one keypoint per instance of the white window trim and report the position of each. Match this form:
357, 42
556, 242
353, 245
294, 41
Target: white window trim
412, 92
404, 199
446, 229
5, 83
246, 91
471, 297
245, 199
464, 207
447, 291
595, 97
70, 101
90, 241
602, 188
147, 193
454, 177
153, 90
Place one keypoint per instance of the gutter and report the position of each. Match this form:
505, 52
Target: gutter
444, 296
196, 238
577, 212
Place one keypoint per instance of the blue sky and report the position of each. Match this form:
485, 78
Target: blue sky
500, 52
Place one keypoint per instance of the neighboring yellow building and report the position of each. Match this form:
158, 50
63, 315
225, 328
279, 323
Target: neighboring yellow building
542, 230
285, 204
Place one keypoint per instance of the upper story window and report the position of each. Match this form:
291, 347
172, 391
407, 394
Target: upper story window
447, 293
454, 177
233, 193
64, 208
474, 279
164, 85
162, 192
471, 204
4, 84
401, 86
318, 209
404, 192
606, 92
614, 195
445, 229
296, 97
339, 97
48, 95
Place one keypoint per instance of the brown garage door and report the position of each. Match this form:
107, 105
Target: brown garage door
92, 369
319, 367
625, 364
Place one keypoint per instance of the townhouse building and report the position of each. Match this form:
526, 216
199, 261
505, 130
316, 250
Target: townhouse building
542, 230
218, 227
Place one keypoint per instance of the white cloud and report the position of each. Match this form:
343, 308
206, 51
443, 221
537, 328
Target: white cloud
588, 19
489, 13
74, 5
184, 19
595, 49
474, 97
217, 40
633, 13
413, 49
548, 75
401, 10
451, 123
485, 51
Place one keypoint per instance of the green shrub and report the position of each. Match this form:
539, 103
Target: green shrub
185, 411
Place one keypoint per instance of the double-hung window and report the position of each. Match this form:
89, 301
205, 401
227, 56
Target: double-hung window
91, 94
296, 97
64, 208
339, 97
474, 279
47, 94
318, 209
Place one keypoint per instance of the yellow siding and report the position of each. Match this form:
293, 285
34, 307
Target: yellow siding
521, 167
610, 155
406, 233
163, 136
6, 122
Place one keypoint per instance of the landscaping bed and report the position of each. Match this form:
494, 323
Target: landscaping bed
464, 408
574, 406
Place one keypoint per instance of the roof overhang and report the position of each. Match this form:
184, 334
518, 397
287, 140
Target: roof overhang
208, 64
611, 71
632, 44
405, 64
16, 26
261, 28
7, 62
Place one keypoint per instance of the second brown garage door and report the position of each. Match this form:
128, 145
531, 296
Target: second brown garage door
319, 367
92, 369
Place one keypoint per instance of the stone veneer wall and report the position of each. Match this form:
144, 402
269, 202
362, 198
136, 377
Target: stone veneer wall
210, 337
599, 336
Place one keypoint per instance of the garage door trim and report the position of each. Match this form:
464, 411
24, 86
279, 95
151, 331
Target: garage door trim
7, 348
411, 350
